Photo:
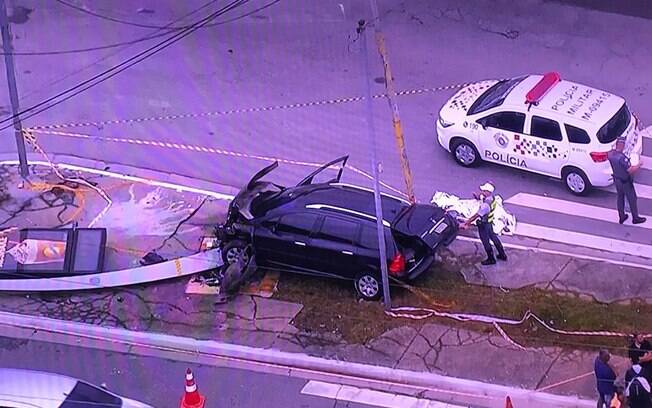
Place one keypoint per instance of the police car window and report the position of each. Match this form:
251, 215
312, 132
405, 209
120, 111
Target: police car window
494, 96
616, 126
298, 223
338, 230
545, 128
577, 135
509, 121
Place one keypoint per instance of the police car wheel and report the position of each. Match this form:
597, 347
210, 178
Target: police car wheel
465, 153
576, 181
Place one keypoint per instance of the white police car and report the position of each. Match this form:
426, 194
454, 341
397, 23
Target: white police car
541, 124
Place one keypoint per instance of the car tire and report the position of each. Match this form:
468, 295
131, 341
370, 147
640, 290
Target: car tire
369, 286
576, 181
234, 249
464, 153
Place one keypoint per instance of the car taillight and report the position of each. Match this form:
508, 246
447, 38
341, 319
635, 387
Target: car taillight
397, 264
599, 157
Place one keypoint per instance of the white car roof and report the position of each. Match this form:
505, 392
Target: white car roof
34, 388
568, 99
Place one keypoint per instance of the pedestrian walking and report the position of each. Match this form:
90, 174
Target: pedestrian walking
637, 388
623, 173
485, 222
605, 376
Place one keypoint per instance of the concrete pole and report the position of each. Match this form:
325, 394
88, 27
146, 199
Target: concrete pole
391, 98
375, 168
13, 91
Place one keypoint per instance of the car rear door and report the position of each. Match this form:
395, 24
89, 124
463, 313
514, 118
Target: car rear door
284, 244
332, 250
544, 148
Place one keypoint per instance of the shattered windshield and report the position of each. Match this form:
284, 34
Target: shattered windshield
495, 96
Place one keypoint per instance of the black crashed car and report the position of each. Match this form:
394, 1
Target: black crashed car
329, 229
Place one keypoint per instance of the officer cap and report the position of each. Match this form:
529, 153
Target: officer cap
487, 187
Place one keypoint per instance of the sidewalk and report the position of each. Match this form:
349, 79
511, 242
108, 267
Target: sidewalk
429, 345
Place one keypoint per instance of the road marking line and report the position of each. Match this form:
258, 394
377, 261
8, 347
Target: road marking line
368, 396
583, 240
642, 190
647, 162
569, 208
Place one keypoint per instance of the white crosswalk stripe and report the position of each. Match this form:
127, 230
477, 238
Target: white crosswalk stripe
583, 240
647, 162
570, 208
369, 397
642, 190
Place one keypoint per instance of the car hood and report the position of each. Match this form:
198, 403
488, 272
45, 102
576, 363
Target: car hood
459, 104
425, 221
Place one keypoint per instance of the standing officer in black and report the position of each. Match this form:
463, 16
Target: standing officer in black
623, 179
485, 222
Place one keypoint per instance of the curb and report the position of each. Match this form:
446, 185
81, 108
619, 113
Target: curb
163, 179
143, 343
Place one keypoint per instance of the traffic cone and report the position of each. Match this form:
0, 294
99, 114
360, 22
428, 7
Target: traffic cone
508, 403
192, 398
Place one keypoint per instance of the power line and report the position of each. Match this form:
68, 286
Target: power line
141, 39
111, 72
109, 55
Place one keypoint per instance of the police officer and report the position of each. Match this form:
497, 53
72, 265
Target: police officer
623, 179
485, 220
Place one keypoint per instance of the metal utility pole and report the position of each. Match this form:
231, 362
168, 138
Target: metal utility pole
391, 98
13, 91
375, 168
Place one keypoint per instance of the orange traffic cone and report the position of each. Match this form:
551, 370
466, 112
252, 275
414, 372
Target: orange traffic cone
508, 403
192, 398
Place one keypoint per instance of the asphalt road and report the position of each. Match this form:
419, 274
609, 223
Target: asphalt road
160, 382
297, 52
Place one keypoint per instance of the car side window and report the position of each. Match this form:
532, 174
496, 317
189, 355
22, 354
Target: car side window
545, 128
577, 135
509, 121
298, 223
338, 230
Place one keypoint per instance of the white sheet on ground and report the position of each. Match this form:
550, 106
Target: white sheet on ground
504, 222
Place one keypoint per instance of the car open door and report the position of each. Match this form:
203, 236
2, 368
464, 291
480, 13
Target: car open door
308, 180
262, 173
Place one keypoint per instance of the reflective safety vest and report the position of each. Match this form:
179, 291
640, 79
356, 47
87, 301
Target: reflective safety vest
489, 218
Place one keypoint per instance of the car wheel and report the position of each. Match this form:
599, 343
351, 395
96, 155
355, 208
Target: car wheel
233, 250
368, 286
576, 181
465, 153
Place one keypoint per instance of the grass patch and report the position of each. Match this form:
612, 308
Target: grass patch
331, 306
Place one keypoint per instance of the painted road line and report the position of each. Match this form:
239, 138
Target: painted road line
369, 397
647, 162
642, 190
583, 240
569, 208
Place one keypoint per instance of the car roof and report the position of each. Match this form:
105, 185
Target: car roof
565, 100
34, 388
350, 197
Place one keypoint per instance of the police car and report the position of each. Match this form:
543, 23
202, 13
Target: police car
541, 124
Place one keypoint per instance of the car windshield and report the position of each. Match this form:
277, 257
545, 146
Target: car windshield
495, 95
616, 126
87, 396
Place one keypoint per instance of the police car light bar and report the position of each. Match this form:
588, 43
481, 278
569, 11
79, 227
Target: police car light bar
542, 87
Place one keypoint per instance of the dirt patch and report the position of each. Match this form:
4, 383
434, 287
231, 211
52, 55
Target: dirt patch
332, 307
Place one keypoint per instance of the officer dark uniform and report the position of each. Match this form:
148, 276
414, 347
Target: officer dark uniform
485, 222
624, 182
